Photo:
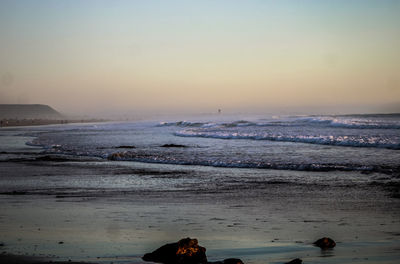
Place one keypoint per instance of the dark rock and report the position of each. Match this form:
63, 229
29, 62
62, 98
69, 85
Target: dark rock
1, 244
232, 261
227, 261
60, 242
125, 147
295, 261
325, 243
117, 156
185, 251
114, 156
173, 146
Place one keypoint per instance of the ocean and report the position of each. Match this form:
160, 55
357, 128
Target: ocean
316, 143
257, 187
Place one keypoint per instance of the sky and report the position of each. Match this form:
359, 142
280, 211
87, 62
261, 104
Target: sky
198, 56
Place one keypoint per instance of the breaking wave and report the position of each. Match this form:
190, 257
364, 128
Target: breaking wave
350, 141
356, 123
183, 124
320, 121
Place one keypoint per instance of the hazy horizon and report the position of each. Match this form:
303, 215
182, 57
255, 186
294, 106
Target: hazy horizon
150, 57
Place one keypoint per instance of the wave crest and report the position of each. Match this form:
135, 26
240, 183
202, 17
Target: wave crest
350, 141
183, 124
320, 121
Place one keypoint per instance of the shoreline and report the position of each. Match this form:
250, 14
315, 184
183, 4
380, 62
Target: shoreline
9, 123
274, 253
119, 224
7, 258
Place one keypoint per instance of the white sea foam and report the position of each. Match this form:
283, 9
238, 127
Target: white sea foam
347, 122
183, 124
351, 141
321, 121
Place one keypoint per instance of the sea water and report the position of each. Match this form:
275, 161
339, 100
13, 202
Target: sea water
318, 143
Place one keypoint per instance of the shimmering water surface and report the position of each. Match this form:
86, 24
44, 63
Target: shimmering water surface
369, 142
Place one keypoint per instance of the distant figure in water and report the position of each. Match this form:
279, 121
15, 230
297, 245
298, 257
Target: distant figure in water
219, 111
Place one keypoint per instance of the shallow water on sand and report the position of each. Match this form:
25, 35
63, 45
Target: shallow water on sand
85, 206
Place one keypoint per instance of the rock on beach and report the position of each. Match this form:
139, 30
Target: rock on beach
325, 243
185, 251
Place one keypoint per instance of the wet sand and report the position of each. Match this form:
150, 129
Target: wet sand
24, 259
115, 212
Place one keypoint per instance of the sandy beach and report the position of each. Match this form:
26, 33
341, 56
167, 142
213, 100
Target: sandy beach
258, 225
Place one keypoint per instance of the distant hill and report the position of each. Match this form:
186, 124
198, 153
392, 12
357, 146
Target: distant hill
28, 111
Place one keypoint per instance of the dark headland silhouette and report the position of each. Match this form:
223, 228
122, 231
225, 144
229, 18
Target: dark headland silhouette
35, 114
28, 111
